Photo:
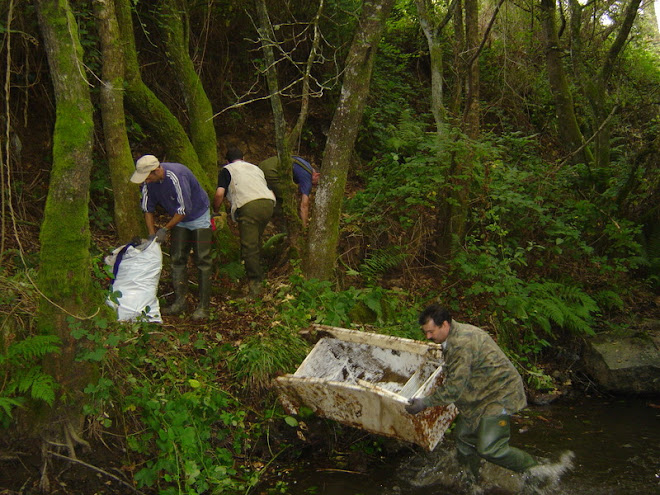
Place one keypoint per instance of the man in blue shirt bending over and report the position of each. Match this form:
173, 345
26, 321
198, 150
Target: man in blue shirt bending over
304, 175
174, 187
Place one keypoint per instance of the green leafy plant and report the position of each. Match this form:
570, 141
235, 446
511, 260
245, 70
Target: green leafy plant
304, 301
190, 431
189, 426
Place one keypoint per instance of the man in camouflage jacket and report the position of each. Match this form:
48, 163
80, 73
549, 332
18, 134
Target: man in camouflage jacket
485, 387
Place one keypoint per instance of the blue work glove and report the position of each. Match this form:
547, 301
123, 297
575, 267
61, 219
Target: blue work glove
160, 235
416, 405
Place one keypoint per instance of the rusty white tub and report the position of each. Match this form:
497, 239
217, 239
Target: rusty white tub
364, 380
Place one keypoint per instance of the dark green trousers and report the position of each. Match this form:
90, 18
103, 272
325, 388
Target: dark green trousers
252, 219
182, 242
490, 441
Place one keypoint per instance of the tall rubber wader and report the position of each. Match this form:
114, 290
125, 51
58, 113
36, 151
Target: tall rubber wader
179, 249
202, 243
490, 441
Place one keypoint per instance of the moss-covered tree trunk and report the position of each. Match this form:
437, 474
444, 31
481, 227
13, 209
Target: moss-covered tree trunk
127, 214
65, 265
323, 236
200, 112
152, 113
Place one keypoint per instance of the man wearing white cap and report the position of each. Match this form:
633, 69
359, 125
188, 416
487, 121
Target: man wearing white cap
176, 189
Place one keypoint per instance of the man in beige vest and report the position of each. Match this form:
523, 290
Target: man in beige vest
244, 186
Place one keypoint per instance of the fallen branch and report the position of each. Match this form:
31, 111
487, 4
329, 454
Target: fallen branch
333, 470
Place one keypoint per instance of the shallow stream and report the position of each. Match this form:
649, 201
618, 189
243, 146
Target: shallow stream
616, 444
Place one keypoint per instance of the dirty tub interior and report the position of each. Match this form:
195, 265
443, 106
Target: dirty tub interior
365, 379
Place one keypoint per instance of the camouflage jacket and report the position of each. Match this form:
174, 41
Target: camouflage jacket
479, 379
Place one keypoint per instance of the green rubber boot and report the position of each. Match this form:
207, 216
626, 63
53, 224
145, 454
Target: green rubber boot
493, 444
203, 239
179, 249
180, 290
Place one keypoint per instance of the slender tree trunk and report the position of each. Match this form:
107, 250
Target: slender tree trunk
654, 15
452, 205
65, 263
150, 111
127, 214
286, 141
454, 192
294, 135
200, 112
597, 94
471, 125
569, 130
324, 228
432, 31
283, 148
459, 47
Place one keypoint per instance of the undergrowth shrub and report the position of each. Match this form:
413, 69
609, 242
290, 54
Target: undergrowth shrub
261, 356
280, 349
538, 258
188, 433
305, 301
541, 256
391, 218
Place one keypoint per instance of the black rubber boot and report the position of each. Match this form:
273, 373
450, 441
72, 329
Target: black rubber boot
203, 239
179, 249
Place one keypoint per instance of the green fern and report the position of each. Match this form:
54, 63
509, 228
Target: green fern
562, 306
547, 306
382, 260
40, 385
23, 376
552, 308
608, 299
7, 404
32, 348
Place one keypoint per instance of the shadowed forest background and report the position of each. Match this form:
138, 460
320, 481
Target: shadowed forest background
500, 157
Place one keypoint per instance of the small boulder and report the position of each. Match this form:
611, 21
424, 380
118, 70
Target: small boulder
626, 364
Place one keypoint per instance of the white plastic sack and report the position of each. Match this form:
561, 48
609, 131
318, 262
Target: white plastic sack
137, 280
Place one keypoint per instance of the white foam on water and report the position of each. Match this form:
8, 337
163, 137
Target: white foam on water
544, 478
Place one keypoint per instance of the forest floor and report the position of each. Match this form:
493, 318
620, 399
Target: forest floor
104, 468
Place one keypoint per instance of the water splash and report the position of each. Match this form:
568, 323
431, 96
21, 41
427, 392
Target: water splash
544, 478
441, 468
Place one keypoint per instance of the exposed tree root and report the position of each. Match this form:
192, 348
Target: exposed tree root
94, 468
71, 440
